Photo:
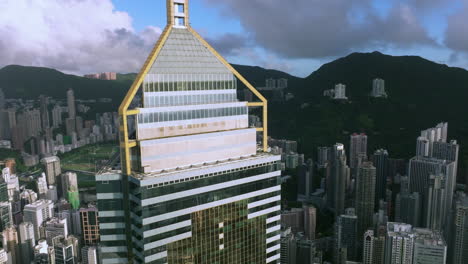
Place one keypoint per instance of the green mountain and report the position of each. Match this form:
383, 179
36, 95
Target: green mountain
30, 82
421, 94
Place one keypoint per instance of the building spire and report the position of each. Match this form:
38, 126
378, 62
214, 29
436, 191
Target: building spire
177, 13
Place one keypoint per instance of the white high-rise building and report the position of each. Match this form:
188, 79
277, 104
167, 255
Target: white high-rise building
52, 169
378, 88
37, 213
373, 249
340, 92
399, 243
71, 104
42, 186
438, 133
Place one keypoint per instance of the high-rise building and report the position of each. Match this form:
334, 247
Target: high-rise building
378, 88
44, 104
381, 162
422, 147
90, 225
399, 244
436, 203
54, 227
408, 208
365, 191
71, 104
27, 241
346, 235
193, 187
459, 234
338, 175
11, 244
373, 248
438, 133
323, 155
310, 221
420, 171
89, 255
429, 247
358, 147
68, 181
288, 247
305, 180
37, 213
56, 116
5, 215
52, 169
340, 92
65, 249
446, 151
42, 186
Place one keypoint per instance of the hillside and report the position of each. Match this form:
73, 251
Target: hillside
421, 94
30, 82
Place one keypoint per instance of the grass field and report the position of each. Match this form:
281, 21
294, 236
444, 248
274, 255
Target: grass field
88, 158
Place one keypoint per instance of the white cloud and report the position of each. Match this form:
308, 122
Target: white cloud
77, 36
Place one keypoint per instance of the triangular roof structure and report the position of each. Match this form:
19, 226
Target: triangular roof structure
179, 50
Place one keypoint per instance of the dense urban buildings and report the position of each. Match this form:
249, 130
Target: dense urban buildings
102, 76
200, 190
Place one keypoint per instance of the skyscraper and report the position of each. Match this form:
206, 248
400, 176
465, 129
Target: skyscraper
381, 162
337, 179
54, 227
459, 232
429, 247
71, 104
408, 208
44, 104
365, 188
420, 171
27, 241
5, 215
52, 169
90, 225
346, 235
446, 150
437, 211
65, 249
438, 133
38, 212
374, 248
399, 244
193, 185
358, 147
89, 255
11, 245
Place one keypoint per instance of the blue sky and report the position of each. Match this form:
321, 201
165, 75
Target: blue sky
295, 36
211, 21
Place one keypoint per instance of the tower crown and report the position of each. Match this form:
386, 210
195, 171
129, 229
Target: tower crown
178, 13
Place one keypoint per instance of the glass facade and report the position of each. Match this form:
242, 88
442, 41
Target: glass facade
243, 238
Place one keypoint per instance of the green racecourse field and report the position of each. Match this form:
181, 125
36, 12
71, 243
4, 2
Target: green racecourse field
87, 160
